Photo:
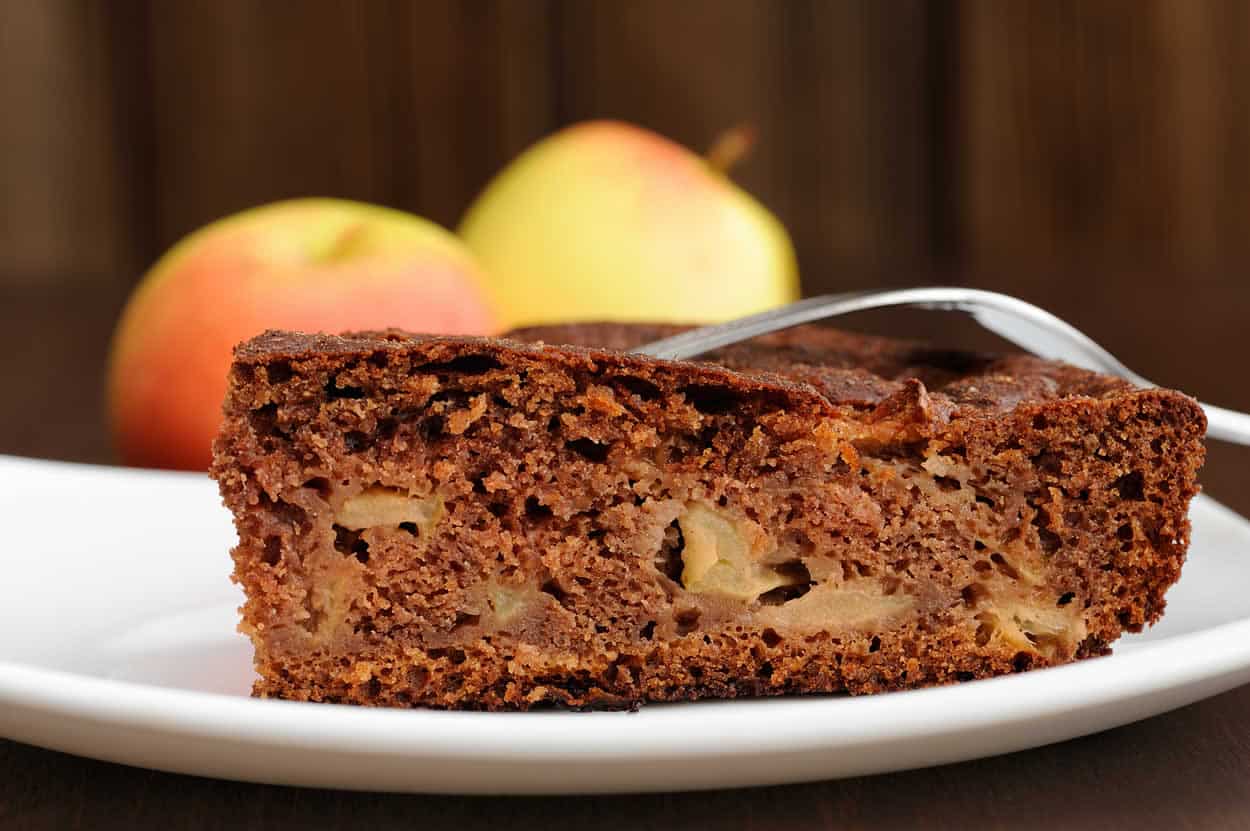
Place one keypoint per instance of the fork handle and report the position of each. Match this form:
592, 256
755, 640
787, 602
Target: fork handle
1228, 425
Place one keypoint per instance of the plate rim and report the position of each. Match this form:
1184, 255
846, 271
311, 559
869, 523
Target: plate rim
985, 703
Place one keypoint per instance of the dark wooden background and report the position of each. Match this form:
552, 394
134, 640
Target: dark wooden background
991, 136
1090, 156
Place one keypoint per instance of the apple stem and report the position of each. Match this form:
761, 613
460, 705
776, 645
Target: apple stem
344, 245
731, 147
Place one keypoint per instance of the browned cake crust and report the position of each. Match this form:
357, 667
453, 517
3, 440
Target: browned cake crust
487, 523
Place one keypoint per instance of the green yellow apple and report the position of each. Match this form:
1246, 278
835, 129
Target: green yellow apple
306, 264
608, 221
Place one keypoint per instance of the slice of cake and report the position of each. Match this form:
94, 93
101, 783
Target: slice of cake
479, 523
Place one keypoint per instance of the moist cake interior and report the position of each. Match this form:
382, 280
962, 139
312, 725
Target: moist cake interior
479, 523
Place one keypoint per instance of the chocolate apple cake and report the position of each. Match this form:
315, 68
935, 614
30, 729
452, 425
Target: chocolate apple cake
545, 518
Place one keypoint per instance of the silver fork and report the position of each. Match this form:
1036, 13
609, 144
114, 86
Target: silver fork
1029, 327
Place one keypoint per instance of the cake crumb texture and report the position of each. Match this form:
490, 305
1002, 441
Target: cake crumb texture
545, 519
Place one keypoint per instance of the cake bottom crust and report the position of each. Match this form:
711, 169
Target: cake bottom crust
486, 676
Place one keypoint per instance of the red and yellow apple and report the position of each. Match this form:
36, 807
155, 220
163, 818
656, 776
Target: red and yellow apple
307, 264
608, 221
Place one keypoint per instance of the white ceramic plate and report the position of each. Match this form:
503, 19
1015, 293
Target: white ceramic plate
119, 644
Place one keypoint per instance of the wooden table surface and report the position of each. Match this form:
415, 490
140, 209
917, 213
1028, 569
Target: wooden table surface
1186, 769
